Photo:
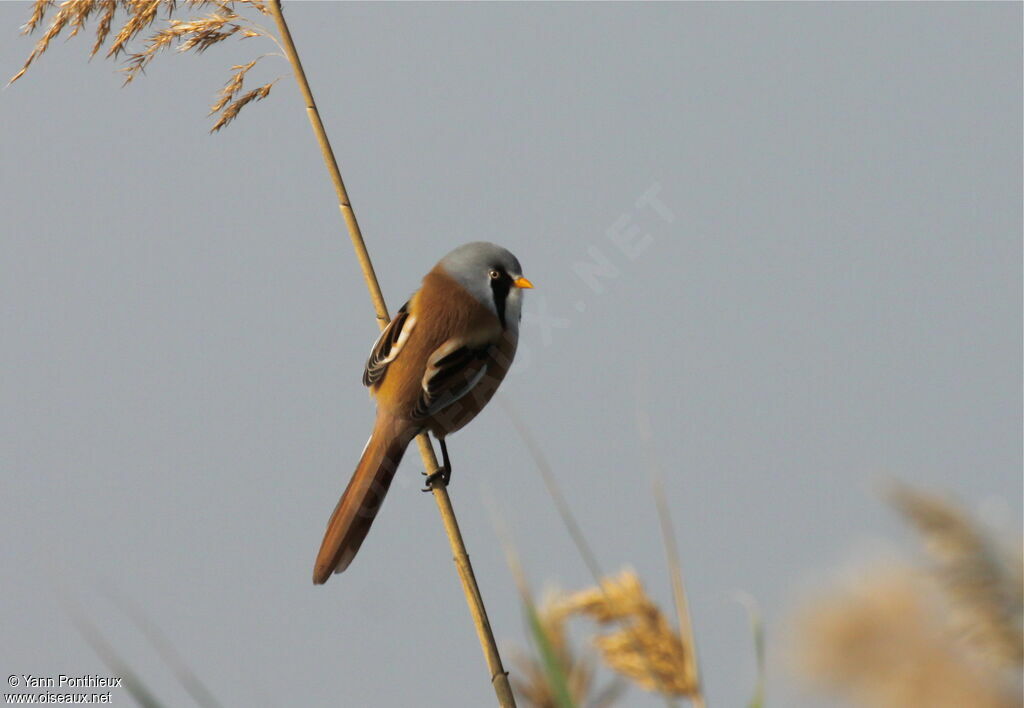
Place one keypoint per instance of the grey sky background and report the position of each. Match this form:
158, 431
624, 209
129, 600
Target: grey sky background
835, 300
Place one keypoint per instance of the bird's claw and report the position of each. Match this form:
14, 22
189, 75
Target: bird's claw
441, 474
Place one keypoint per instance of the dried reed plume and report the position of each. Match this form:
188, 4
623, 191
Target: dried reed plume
629, 628
579, 668
878, 640
884, 637
196, 34
644, 648
981, 580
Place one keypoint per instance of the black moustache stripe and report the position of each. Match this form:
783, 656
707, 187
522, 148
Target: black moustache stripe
500, 288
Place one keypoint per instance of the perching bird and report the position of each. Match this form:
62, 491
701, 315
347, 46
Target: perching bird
435, 365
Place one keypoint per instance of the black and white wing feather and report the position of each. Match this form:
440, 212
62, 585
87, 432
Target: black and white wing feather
452, 372
388, 345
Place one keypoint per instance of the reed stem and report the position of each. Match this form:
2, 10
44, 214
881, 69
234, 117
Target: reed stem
679, 592
499, 677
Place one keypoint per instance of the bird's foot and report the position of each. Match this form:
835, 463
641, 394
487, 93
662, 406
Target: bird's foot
441, 475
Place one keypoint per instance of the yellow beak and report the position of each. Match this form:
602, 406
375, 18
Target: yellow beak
522, 282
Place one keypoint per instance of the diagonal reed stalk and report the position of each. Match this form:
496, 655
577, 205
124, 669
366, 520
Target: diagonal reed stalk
189, 680
675, 566
668, 538
499, 677
116, 663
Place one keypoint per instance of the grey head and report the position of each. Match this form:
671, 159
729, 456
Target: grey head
492, 275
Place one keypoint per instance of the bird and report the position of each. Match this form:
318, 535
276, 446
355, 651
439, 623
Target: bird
433, 368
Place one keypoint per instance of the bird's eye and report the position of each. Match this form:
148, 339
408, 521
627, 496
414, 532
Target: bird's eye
494, 275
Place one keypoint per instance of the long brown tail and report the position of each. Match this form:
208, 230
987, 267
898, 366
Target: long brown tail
358, 506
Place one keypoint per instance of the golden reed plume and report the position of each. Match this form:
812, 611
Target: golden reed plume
643, 646
944, 633
196, 34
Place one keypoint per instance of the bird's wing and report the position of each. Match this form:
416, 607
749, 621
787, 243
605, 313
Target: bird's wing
388, 345
452, 371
